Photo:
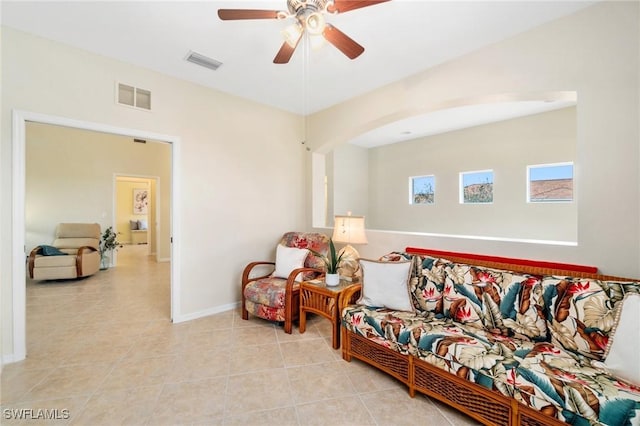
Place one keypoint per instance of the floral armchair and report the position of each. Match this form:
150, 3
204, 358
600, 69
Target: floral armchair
275, 296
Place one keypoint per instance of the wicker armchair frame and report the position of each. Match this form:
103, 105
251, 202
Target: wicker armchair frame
484, 405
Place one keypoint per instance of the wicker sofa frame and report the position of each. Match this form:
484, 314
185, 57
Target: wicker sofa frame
482, 404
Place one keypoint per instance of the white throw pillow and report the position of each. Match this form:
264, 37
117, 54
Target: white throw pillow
386, 284
288, 259
623, 358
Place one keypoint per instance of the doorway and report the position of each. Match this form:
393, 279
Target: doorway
19, 133
136, 206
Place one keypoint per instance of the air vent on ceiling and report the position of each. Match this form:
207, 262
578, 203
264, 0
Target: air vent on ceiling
203, 61
133, 96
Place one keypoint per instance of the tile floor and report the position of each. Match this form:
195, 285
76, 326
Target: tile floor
103, 351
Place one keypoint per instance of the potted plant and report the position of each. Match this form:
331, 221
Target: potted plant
332, 263
108, 243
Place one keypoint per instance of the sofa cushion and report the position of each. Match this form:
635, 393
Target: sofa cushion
426, 283
473, 354
267, 291
501, 301
263, 311
385, 284
393, 329
623, 359
580, 315
554, 381
54, 261
427, 286
395, 256
539, 375
462, 295
519, 302
618, 290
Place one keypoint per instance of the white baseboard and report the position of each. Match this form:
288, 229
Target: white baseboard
8, 359
206, 312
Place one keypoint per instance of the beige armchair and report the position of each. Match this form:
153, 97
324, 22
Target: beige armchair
73, 254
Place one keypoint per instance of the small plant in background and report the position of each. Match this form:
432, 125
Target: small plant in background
108, 241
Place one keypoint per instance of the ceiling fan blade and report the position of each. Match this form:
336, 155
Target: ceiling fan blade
234, 14
343, 42
286, 51
342, 6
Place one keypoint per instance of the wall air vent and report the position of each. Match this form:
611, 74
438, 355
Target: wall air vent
203, 61
133, 96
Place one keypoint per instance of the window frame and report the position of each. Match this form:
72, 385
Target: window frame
461, 175
412, 194
549, 165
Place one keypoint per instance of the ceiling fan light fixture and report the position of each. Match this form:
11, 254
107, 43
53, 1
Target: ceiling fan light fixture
315, 23
292, 34
316, 41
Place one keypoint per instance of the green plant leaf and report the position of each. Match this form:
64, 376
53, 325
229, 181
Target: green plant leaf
332, 260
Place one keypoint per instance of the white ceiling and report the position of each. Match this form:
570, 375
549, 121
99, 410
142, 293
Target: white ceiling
450, 119
401, 38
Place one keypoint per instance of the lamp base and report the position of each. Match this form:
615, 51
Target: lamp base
349, 266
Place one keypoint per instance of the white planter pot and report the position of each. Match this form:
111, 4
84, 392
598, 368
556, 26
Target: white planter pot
332, 279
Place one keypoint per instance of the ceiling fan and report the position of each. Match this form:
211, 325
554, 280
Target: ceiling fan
309, 16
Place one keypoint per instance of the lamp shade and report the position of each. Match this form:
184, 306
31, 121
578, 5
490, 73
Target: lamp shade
349, 229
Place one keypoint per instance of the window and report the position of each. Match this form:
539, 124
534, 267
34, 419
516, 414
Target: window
476, 187
422, 189
550, 183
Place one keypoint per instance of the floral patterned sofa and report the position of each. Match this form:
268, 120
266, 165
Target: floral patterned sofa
509, 343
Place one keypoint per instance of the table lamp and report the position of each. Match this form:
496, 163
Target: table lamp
350, 230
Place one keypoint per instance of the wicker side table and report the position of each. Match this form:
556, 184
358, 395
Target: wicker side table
318, 298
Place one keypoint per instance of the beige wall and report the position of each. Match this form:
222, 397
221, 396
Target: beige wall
241, 185
593, 52
507, 148
78, 186
349, 182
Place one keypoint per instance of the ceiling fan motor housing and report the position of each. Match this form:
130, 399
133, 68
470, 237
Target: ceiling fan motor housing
309, 14
301, 8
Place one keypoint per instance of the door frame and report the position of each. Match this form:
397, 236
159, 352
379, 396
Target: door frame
18, 269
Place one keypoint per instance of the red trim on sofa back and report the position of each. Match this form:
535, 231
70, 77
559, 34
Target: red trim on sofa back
523, 262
